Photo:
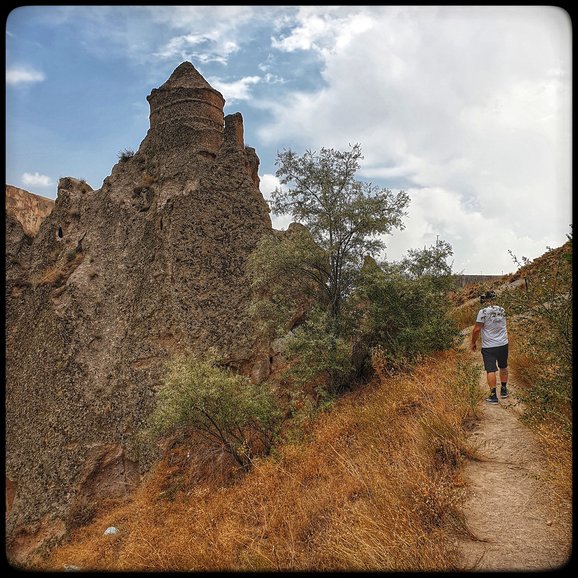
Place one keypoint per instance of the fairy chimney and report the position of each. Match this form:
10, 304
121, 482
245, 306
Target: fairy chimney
118, 281
186, 114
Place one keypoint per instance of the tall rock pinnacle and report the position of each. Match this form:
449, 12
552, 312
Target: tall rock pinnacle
116, 282
187, 112
185, 75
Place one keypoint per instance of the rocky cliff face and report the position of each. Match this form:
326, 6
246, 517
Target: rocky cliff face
27, 208
115, 282
24, 214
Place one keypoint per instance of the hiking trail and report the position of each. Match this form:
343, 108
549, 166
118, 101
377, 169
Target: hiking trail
509, 508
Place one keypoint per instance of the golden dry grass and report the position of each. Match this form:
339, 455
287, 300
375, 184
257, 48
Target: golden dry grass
375, 486
552, 429
556, 443
465, 315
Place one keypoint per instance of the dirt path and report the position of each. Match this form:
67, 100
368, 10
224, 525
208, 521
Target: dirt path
509, 507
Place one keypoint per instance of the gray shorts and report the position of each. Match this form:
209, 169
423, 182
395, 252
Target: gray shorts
493, 355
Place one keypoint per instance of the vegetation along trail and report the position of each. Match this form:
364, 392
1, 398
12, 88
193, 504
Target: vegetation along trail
515, 517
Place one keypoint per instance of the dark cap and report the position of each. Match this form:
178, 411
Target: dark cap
487, 296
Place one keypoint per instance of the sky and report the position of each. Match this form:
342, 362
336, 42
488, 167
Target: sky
465, 108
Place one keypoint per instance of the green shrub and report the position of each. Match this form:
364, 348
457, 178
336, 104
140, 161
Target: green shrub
541, 316
226, 409
125, 155
407, 315
320, 356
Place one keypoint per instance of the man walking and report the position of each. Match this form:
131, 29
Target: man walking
491, 322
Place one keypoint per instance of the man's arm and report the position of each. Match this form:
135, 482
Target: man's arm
475, 332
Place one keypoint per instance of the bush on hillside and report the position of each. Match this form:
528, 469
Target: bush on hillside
405, 309
228, 410
125, 155
321, 356
541, 313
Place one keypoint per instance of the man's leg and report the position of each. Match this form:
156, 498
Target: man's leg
491, 377
503, 365
504, 381
490, 367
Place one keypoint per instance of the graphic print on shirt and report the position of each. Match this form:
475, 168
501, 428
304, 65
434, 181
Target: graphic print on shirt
494, 333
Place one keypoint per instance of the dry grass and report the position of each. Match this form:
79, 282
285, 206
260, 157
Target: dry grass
552, 424
552, 429
148, 180
556, 443
465, 315
52, 276
521, 361
376, 486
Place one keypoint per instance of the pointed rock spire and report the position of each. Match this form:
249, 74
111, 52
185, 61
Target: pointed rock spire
186, 114
186, 75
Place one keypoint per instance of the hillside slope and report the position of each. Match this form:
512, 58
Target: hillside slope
373, 484
387, 479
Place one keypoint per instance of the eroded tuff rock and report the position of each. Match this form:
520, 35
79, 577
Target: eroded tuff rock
24, 213
116, 281
27, 208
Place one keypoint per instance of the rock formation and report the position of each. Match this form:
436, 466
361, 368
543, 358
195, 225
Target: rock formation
24, 214
116, 281
27, 208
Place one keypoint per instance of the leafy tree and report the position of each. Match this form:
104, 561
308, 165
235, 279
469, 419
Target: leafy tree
430, 262
316, 265
343, 215
288, 278
226, 409
404, 307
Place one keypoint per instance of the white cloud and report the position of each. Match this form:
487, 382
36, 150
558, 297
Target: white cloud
199, 48
18, 76
267, 185
236, 90
329, 29
211, 34
36, 180
471, 106
214, 18
281, 222
481, 242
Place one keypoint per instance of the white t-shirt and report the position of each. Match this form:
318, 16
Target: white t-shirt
494, 332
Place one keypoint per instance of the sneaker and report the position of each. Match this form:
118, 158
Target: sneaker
492, 399
504, 391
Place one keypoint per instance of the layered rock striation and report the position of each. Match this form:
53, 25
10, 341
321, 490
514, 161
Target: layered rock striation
24, 214
115, 282
27, 208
